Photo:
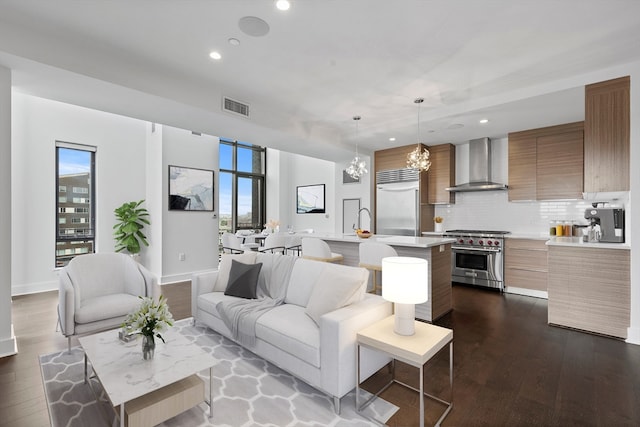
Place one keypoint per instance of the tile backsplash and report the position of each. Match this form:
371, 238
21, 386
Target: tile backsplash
492, 210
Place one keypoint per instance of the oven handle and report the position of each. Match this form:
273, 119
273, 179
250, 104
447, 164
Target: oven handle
471, 250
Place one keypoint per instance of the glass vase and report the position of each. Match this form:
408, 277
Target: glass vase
148, 347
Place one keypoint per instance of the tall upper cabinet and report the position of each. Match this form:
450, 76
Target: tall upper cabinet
606, 136
442, 173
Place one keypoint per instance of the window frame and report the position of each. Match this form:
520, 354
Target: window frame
75, 238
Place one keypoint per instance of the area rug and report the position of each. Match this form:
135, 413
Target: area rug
249, 391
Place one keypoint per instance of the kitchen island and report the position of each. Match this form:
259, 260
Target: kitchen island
436, 250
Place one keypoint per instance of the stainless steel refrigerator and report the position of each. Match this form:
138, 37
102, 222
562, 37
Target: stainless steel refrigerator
398, 202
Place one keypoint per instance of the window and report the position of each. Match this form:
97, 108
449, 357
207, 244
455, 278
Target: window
75, 170
242, 189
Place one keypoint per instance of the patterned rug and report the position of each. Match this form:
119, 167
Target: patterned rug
248, 392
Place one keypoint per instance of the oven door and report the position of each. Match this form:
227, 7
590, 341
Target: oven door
477, 266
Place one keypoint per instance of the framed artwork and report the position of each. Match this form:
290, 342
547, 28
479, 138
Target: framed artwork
310, 199
190, 189
348, 179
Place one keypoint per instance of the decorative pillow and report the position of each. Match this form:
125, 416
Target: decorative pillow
334, 289
225, 267
243, 280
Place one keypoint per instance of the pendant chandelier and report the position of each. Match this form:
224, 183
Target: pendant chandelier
357, 167
419, 159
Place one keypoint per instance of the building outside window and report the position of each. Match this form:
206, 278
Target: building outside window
75, 183
241, 186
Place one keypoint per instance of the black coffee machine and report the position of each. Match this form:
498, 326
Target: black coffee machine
610, 222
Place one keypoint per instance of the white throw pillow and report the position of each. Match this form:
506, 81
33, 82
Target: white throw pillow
335, 288
225, 268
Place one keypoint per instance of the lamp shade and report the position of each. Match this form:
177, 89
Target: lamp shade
405, 280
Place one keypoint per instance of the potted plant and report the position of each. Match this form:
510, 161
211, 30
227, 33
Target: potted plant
438, 226
128, 230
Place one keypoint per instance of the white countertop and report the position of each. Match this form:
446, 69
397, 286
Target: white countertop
408, 241
577, 242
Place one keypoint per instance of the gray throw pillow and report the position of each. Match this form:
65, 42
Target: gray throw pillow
243, 280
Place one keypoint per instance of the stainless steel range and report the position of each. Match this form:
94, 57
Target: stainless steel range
477, 257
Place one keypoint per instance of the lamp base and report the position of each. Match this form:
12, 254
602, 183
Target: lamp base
404, 319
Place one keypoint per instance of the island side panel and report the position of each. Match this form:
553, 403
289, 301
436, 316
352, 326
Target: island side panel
441, 280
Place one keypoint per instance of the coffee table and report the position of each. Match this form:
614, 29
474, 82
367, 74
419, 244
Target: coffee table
125, 376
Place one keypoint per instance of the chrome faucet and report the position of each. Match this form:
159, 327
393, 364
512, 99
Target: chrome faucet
360, 211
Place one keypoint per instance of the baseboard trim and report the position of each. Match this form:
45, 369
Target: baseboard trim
527, 292
33, 288
9, 346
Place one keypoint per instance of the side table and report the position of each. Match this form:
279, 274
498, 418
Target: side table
414, 350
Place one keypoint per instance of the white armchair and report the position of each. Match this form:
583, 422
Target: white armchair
97, 291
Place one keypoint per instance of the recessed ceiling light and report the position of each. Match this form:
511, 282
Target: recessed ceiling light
234, 42
392, 139
215, 55
283, 4
483, 121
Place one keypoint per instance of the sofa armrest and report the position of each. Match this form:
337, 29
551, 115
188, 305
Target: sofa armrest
338, 331
201, 283
149, 281
66, 304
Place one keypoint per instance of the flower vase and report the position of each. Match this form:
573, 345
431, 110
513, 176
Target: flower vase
148, 347
438, 227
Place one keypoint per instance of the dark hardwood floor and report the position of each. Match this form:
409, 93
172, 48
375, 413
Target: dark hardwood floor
510, 368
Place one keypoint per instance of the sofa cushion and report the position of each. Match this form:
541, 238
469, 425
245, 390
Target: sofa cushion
288, 328
225, 268
208, 302
243, 280
302, 280
334, 289
106, 307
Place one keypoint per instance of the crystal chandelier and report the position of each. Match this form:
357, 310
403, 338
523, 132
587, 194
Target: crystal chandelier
357, 167
419, 159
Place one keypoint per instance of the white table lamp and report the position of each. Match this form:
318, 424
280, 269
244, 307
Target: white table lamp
405, 282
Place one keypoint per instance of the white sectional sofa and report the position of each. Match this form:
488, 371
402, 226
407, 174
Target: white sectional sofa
312, 332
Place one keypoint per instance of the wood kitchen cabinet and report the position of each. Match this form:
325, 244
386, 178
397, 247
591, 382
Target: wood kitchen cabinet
589, 289
547, 163
442, 174
525, 265
607, 136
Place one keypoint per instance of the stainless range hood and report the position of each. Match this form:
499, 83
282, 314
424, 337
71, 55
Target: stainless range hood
479, 169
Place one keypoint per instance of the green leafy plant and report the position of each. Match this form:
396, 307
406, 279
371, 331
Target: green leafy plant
128, 230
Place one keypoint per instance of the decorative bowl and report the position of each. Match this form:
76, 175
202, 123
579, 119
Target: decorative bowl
363, 235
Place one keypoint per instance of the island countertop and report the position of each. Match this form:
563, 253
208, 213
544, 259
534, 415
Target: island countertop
406, 241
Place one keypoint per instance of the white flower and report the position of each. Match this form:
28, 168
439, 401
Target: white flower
150, 318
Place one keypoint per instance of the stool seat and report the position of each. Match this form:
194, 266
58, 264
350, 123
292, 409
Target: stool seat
318, 250
371, 254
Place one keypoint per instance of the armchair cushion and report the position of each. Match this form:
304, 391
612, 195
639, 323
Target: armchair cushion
106, 307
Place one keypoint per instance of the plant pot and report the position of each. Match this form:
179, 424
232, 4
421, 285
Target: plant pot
438, 227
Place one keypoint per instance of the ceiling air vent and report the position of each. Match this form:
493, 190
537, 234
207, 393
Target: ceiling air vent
236, 107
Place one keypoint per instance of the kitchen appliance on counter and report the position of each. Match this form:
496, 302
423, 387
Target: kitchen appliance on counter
477, 257
398, 202
605, 224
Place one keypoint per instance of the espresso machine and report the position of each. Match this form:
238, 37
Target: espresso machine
606, 224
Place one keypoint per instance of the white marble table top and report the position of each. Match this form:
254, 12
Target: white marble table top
125, 375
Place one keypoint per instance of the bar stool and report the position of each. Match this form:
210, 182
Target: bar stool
318, 249
371, 254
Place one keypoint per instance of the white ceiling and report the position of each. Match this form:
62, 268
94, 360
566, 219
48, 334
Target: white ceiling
521, 64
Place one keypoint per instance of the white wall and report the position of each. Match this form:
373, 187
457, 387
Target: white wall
194, 234
120, 177
152, 256
7, 339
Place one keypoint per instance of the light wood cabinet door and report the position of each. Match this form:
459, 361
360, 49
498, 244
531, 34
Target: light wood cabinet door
526, 264
559, 172
589, 289
442, 173
522, 168
607, 136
